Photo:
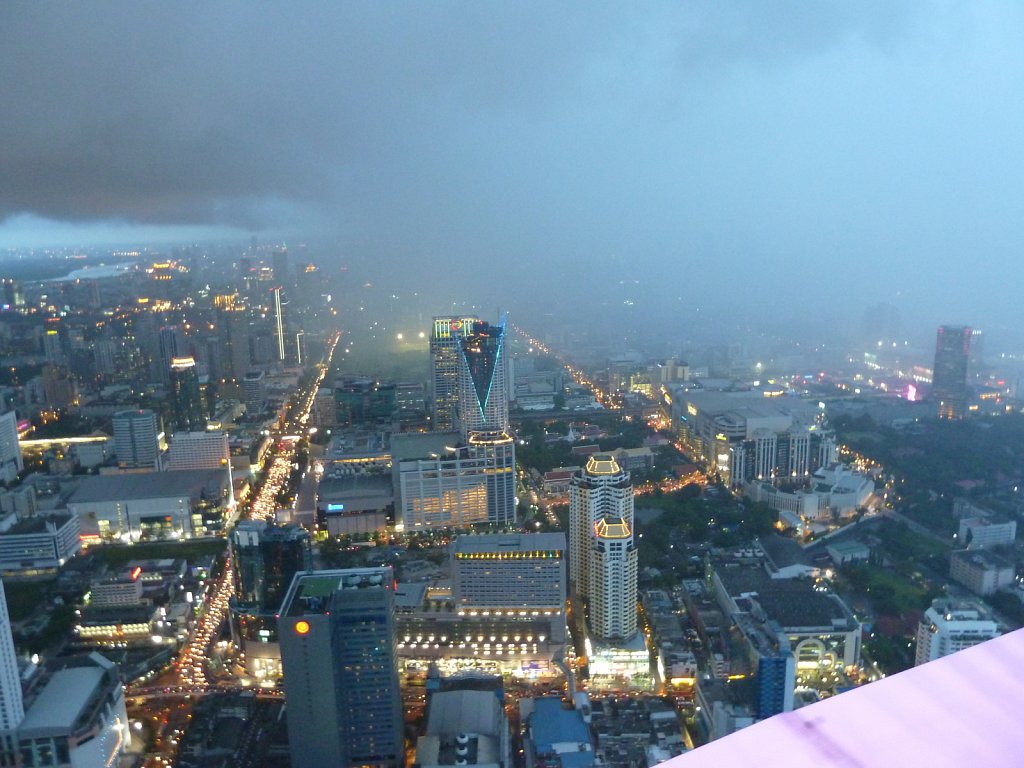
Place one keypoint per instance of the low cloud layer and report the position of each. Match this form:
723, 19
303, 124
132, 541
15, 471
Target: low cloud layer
799, 146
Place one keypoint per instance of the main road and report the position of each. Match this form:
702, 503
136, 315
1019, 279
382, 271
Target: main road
190, 667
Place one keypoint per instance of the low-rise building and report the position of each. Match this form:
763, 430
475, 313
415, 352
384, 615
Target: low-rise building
152, 505
465, 726
981, 571
949, 626
78, 718
557, 735
37, 546
982, 532
848, 551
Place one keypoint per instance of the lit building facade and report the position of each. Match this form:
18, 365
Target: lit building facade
444, 367
949, 378
482, 387
187, 404
602, 554
511, 572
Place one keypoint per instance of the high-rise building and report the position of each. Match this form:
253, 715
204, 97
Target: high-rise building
53, 346
498, 452
482, 389
187, 406
11, 462
137, 439
254, 389
266, 558
602, 554
509, 573
949, 379
950, 625
337, 635
12, 708
279, 322
237, 321
169, 347
444, 368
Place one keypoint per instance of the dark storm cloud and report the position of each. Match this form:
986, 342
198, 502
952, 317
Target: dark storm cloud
203, 112
784, 154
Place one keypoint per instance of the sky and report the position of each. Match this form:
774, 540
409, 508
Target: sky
787, 160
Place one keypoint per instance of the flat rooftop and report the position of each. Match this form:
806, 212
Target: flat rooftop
36, 524
63, 700
310, 593
794, 604
149, 485
509, 542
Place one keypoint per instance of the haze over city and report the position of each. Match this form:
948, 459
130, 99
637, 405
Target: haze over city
511, 385
771, 164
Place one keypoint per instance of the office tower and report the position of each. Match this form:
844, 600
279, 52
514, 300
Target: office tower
444, 368
169, 348
949, 379
11, 463
482, 365
950, 625
236, 320
279, 263
976, 357
266, 558
509, 573
337, 635
11, 706
137, 439
498, 452
187, 406
602, 555
254, 389
279, 322
53, 346
199, 450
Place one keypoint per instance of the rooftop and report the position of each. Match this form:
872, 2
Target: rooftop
149, 485
514, 542
551, 723
63, 699
310, 592
37, 524
794, 604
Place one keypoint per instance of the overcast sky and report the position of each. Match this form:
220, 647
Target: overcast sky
746, 155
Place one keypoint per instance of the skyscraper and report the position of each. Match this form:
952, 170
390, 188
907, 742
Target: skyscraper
482, 366
11, 462
12, 708
136, 439
266, 557
444, 367
949, 379
169, 348
187, 404
602, 554
279, 322
337, 634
